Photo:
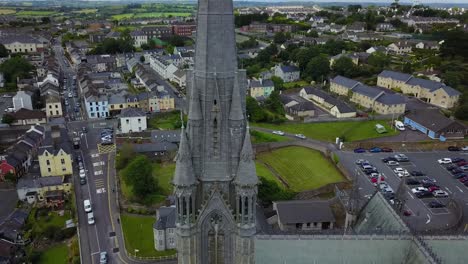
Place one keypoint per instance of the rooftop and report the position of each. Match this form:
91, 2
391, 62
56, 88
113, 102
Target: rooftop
304, 211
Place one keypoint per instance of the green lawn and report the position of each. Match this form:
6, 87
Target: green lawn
290, 85
52, 219
303, 168
150, 14
328, 131
165, 121
262, 137
263, 171
57, 255
36, 13
86, 11
7, 11
138, 234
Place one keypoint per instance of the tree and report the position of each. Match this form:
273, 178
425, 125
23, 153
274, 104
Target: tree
15, 67
269, 190
10, 177
142, 59
379, 60
126, 154
281, 37
273, 103
408, 68
138, 174
7, 119
318, 68
3, 51
278, 83
344, 66
254, 111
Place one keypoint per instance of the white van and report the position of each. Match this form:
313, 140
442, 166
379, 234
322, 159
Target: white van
91, 218
399, 125
87, 206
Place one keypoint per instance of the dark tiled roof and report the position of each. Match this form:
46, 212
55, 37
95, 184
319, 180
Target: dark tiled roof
431, 119
154, 147
450, 91
24, 113
428, 84
172, 136
289, 68
303, 106
391, 99
343, 81
344, 108
263, 83
395, 75
132, 112
367, 91
167, 218
292, 212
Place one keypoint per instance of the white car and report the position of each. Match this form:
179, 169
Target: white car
440, 193
465, 148
278, 132
419, 189
445, 161
401, 172
392, 163
90, 218
70, 95
82, 174
87, 206
300, 136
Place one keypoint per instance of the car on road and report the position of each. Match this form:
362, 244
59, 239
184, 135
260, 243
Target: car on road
359, 150
103, 257
300, 136
417, 173
392, 163
435, 204
66, 103
401, 172
80, 165
465, 148
387, 150
401, 157
412, 182
440, 193
419, 189
79, 158
444, 161
70, 95
90, 218
84, 129
453, 148
423, 194
82, 181
278, 132
77, 109
87, 206
375, 150
82, 174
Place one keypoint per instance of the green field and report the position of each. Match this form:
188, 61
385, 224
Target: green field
149, 15
36, 13
86, 11
138, 234
7, 11
165, 121
263, 171
302, 168
328, 131
57, 255
290, 85
262, 137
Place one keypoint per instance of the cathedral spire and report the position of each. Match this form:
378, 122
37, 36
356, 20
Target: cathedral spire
236, 105
194, 112
184, 175
246, 175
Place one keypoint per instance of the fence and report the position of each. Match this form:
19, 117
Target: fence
160, 258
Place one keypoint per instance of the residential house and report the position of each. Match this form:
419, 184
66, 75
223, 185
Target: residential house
132, 120
288, 73
25, 116
377, 100
102, 63
184, 29
433, 92
334, 106
21, 44
385, 27
163, 65
157, 31
342, 85
335, 28
139, 38
261, 88
297, 106
304, 215
50, 78
435, 125
424, 44
353, 57
22, 99
18, 157
401, 47
43, 189
160, 136
55, 155
164, 229
356, 27
96, 105
322, 27
180, 78
53, 106
380, 49
11, 233
147, 77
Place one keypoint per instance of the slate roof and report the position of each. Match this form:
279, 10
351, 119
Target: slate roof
24, 113
154, 147
343, 81
167, 218
391, 99
431, 119
289, 68
53, 147
428, 84
450, 91
303, 106
395, 75
344, 108
132, 112
304, 211
18, 38
368, 91
172, 136
27, 183
262, 83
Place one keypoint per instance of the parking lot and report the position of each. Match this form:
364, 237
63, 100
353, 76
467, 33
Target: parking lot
422, 215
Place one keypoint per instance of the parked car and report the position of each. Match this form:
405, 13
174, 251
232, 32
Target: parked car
464, 179
462, 163
407, 213
412, 182
401, 157
401, 172
375, 150
451, 167
453, 148
388, 159
423, 194
465, 148
359, 150
361, 161
387, 150
457, 159
464, 167
103, 257
427, 179
417, 173
419, 189
376, 179
392, 163
278, 132
466, 184
428, 184
90, 218
82, 174
433, 188
435, 204
300, 136
444, 161
456, 171
459, 175
440, 193
82, 181
87, 206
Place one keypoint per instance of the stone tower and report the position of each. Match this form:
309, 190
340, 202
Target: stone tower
215, 182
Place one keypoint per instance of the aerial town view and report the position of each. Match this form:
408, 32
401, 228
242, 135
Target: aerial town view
233, 132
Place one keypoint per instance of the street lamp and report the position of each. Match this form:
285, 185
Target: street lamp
136, 251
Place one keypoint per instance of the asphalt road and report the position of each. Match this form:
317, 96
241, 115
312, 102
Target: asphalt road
423, 218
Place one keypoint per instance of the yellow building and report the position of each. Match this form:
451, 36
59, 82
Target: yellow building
54, 156
53, 106
342, 85
43, 188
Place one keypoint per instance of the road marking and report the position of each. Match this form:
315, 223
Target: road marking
410, 195
99, 172
101, 190
459, 188
448, 190
99, 183
95, 253
95, 155
99, 163
429, 219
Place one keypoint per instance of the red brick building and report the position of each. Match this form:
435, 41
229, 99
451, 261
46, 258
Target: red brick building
183, 29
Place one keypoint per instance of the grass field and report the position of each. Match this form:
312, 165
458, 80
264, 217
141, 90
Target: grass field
138, 234
165, 121
7, 11
25, 13
262, 137
86, 11
150, 15
57, 255
263, 171
302, 168
328, 131
290, 85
